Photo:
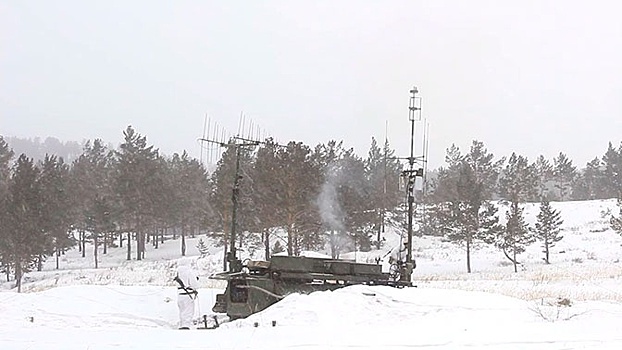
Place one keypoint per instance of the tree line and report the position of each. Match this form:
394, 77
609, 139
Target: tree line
37, 148
466, 194
291, 198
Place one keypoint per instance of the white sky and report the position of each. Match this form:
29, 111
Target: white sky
535, 77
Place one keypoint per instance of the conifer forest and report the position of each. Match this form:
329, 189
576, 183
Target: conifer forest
292, 198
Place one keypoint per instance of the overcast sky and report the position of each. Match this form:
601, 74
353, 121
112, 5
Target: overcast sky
535, 77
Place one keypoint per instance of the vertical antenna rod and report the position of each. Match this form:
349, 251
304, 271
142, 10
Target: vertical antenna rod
412, 113
411, 116
204, 136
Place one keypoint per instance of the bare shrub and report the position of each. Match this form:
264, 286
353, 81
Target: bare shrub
555, 310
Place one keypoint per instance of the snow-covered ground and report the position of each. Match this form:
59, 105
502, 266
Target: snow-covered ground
574, 303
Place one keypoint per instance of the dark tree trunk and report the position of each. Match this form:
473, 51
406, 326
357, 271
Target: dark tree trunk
83, 237
95, 246
106, 235
224, 260
546, 251
129, 246
18, 276
183, 236
290, 240
468, 254
240, 239
139, 237
267, 243
225, 240
142, 245
514, 256
57, 258
380, 222
505, 252
183, 241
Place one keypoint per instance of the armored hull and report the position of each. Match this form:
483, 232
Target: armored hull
260, 284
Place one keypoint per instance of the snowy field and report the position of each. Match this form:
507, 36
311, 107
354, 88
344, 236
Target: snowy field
574, 303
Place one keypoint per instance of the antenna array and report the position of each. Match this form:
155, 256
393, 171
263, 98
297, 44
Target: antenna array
248, 136
216, 138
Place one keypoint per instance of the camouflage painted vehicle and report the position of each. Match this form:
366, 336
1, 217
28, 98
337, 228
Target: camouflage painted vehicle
258, 284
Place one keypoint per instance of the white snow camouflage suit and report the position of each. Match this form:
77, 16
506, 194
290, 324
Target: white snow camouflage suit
186, 298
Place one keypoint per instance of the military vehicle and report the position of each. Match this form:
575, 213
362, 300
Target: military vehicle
255, 285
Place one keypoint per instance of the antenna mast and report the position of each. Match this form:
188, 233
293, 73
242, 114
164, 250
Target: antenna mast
415, 169
237, 143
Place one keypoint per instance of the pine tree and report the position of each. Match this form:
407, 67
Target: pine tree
616, 221
203, 248
466, 219
79, 181
564, 173
136, 185
222, 183
382, 173
485, 171
188, 198
57, 208
265, 190
165, 204
463, 197
6, 155
548, 227
347, 216
519, 180
613, 175
93, 192
299, 179
517, 183
544, 173
516, 236
612, 161
359, 213
100, 221
590, 182
25, 240
445, 184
